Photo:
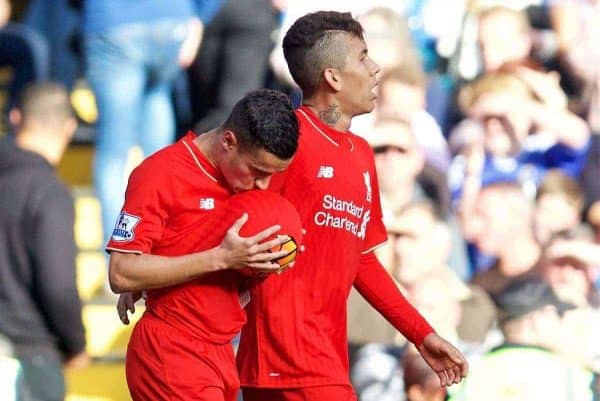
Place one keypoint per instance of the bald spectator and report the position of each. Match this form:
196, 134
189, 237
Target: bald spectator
41, 309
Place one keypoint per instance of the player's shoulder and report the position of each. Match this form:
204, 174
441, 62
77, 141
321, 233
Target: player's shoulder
158, 165
360, 143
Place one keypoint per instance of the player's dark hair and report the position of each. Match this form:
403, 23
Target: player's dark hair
265, 119
313, 44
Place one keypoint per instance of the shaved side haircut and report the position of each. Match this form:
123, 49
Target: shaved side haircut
316, 42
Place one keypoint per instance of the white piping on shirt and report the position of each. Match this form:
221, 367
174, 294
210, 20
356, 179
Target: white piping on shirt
198, 162
124, 250
371, 249
318, 129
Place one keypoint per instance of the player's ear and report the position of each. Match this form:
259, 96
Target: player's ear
333, 78
229, 140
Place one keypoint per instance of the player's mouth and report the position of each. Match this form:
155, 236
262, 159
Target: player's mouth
373, 90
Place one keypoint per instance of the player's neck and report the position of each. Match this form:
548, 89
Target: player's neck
207, 143
330, 112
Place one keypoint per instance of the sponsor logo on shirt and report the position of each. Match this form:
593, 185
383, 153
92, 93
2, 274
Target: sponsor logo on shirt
367, 178
343, 214
325, 172
124, 229
207, 203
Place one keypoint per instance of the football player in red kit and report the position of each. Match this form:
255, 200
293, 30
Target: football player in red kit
181, 347
296, 348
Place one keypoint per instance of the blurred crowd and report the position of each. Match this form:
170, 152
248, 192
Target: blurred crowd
486, 136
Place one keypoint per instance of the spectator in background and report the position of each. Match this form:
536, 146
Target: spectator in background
416, 231
403, 83
522, 138
134, 51
495, 34
59, 25
23, 60
233, 58
41, 310
427, 282
504, 36
527, 365
389, 39
577, 27
403, 173
571, 266
404, 176
558, 206
501, 225
419, 379
593, 217
401, 96
591, 186
519, 134
12, 383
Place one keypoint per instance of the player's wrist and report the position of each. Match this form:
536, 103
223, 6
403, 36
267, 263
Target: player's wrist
218, 259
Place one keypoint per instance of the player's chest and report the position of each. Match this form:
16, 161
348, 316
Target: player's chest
341, 174
194, 201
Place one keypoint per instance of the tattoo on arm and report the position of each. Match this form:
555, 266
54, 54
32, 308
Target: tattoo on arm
331, 115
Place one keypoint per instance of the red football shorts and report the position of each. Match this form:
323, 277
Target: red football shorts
163, 363
316, 393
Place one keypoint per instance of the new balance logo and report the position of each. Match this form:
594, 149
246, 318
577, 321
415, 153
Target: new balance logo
325, 172
207, 203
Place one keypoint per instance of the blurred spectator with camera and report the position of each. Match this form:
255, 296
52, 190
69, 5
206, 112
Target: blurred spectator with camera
521, 136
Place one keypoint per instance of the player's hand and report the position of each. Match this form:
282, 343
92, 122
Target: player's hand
249, 251
447, 361
126, 303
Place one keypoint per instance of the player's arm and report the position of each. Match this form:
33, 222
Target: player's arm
130, 271
376, 285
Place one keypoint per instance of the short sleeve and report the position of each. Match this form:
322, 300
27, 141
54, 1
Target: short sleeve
143, 217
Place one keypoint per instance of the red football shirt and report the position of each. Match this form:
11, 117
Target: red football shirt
168, 195
296, 330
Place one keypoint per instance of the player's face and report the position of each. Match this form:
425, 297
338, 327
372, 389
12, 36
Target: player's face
359, 78
251, 169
